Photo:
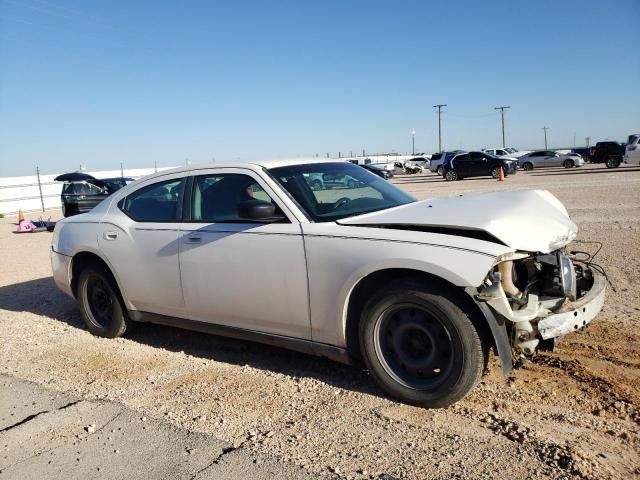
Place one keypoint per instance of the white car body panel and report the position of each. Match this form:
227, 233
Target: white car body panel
632, 151
340, 256
508, 216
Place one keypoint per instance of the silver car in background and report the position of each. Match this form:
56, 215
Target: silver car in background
549, 158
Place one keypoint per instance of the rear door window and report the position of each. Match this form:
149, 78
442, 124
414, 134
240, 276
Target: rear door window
158, 202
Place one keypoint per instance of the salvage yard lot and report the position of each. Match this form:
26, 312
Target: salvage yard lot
573, 412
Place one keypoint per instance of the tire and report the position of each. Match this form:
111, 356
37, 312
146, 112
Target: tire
100, 303
495, 172
419, 345
439, 170
568, 163
451, 176
316, 185
527, 166
612, 162
69, 211
351, 184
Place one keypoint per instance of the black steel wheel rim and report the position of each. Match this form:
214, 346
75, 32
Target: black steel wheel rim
100, 301
414, 346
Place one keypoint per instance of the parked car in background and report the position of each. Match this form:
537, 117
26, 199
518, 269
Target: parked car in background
632, 150
420, 291
584, 152
549, 158
505, 152
439, 159
81, 192
477, 164
609, 153
379, 171
329, 181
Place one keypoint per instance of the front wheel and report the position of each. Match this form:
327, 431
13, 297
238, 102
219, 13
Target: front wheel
420, 345
568, 164
439, 171
451, 176
495, 172
100, 304
613, 162
527, 166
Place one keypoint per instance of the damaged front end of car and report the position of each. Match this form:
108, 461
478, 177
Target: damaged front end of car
543, 296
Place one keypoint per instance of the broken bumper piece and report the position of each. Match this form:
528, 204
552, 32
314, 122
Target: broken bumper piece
579, 315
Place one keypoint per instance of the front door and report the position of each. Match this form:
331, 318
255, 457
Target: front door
240, 273
478, 164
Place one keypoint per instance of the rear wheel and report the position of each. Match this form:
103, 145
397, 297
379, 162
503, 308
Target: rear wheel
100, 303
527, 166
568, 163
420, 346
439, 170
613, 162
68, 210
451, 176
351, 184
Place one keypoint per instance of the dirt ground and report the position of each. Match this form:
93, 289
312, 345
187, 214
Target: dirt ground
573, 413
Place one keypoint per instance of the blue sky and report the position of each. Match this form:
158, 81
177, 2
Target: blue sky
98, 83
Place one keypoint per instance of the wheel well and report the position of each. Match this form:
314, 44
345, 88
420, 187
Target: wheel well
376, 281
81, 261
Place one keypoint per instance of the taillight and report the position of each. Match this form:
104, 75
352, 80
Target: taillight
632, 148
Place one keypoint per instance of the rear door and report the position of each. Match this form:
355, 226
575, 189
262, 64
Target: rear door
139, 237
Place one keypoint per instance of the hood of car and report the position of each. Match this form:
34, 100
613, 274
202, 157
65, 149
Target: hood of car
528, 220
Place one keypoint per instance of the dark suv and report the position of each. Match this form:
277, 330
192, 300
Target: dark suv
477, 164
82, 192
609, 153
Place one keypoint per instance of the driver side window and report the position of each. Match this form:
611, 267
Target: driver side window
215, 197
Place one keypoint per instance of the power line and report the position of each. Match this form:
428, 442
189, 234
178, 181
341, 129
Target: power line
502, 115
439, 107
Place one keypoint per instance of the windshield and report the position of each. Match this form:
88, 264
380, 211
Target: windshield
330, 191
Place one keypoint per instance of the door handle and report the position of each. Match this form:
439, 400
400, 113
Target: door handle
110, 235
194, 239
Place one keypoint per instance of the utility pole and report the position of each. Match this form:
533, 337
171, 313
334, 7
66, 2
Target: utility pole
40, 187
502, 114
545, 136
121, 171
413, 141
587, 139
439, 107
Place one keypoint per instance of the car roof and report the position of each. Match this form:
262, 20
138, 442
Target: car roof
252, 165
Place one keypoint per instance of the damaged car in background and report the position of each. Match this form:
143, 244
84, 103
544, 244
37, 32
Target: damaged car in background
419, 291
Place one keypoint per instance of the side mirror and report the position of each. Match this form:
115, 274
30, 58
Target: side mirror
258, 210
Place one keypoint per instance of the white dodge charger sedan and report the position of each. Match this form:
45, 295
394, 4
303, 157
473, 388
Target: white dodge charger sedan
420, 291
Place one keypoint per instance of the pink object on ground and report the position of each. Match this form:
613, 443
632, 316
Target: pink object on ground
25, 226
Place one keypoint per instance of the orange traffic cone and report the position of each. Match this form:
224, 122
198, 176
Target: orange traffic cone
20, 216
501, 175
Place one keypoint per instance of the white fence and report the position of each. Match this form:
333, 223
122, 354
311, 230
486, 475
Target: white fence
26, 194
